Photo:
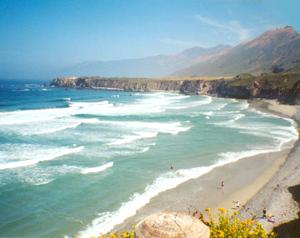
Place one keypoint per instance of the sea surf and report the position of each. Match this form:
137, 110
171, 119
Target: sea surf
79, 162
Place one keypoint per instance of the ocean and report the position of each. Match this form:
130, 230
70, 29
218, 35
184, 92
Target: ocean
77, 162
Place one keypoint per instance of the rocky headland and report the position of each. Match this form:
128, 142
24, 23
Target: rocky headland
284, 86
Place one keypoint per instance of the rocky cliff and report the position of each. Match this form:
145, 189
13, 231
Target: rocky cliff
285, 87
282, 86
141, 84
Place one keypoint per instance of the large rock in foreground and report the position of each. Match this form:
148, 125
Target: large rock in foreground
171, 225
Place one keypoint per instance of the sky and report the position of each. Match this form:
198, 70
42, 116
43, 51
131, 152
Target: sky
38, 37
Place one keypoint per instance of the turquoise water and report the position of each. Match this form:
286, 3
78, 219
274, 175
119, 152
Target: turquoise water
78, 162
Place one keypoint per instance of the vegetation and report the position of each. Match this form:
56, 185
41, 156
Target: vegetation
224, 225
229, 225
281, 81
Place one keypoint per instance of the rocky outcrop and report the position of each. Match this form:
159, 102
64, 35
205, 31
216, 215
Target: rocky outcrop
282, 86
171, 225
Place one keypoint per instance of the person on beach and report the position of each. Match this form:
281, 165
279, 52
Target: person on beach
222, 186
264, 212
271, 219
237, 205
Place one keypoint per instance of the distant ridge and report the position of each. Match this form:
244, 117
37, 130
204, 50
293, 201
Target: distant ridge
153, 66
274, 50
278, 48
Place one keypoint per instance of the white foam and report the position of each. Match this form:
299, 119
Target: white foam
208, 113
243, 105
221, 106
38, 154
203, 100
30, 116
148, 104
274, 116
163, 127
144, 150
97, 169
131, 138
283, 134
229, 123
47, 128
229, 157
67, 99
135, 131
42, 175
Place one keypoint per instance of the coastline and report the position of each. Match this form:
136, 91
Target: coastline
248, 186
275, 195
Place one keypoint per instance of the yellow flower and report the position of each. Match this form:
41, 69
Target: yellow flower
222, 210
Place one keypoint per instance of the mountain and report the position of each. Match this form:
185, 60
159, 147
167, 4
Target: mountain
277, 49
154, 66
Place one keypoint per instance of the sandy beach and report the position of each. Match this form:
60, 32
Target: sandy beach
257, 182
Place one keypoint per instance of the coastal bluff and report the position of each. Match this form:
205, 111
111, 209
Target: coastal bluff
285, 86
187, 86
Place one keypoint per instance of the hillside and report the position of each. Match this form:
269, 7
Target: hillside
154, 66
275, 49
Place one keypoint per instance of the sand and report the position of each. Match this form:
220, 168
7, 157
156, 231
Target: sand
275, 195
258, 181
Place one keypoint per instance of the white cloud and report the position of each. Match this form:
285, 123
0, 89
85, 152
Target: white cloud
233, 28
183, 43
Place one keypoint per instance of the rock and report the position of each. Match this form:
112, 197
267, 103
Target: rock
171, 225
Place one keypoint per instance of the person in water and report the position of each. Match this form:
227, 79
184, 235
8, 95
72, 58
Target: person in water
172, 168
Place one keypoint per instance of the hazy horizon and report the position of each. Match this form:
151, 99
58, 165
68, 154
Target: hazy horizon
41, 37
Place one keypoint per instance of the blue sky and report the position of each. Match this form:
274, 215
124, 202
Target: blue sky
38, 36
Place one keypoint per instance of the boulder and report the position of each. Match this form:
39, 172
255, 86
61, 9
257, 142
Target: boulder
171, 225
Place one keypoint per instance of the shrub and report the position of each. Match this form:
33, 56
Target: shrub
229, 225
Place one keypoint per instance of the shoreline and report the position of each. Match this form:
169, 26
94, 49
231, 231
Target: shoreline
275, 195
241, 183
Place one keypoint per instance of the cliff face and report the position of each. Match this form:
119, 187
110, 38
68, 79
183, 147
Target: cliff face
141, 85
282, 86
